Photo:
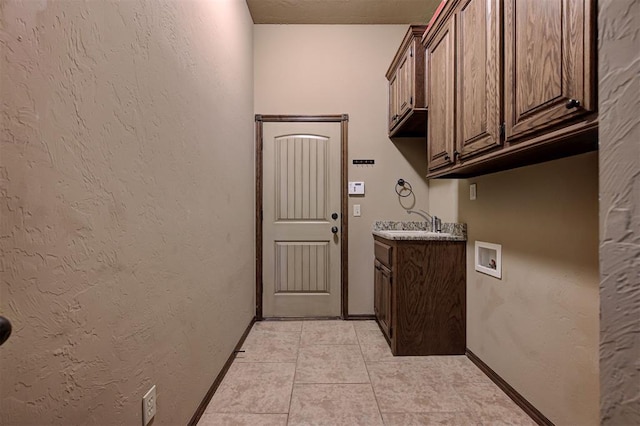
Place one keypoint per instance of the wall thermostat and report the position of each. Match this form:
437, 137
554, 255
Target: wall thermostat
356, 188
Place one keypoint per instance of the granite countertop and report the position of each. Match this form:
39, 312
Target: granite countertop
389, 230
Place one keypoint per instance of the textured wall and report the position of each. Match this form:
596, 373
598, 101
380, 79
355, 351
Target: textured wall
443, 198
336, 69
127, 223
537, 327
619, 90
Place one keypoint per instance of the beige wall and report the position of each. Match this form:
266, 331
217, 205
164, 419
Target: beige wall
537, 327
619, 62
127, 259
337, 69
443, 198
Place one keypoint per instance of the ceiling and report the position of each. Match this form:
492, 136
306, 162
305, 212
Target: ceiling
342, 11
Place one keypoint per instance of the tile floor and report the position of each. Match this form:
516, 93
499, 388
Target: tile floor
343, 373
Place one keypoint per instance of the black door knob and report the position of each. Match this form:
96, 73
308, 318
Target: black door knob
334, 229
572, 103
334, 216
5, 329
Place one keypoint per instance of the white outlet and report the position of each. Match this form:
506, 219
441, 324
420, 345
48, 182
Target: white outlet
149, 406
356, 210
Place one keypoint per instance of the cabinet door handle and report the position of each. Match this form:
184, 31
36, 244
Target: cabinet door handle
447, 158
572, 103
456, 154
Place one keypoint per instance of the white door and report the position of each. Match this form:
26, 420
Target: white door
301, 219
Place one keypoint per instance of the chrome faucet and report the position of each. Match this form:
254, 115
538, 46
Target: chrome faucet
436, 223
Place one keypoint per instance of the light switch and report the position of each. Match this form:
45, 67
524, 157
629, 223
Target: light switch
356, 210
472, 191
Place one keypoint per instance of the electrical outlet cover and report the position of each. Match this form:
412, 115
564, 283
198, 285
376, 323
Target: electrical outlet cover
149, 406
473, 191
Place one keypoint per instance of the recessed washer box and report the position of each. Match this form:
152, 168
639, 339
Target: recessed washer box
489, 259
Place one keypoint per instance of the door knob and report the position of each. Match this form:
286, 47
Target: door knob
334, 229
334, 216
5, 329
572, 103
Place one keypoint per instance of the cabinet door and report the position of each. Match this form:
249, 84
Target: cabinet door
547, 63
405, 77
382, 296
385, 301
478, 77
441, 92
377, 289
393, 101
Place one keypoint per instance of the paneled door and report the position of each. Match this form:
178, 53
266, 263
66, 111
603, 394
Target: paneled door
301, 219
478, 77
547, 50
442, 95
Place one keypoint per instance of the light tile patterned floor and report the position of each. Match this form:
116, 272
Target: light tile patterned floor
337, 373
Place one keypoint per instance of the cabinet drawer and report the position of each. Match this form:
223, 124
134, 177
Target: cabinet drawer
383, 253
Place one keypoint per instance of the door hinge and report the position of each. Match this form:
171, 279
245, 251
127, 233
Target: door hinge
411, 51
261, 215
502, 130
390, 332
411, 100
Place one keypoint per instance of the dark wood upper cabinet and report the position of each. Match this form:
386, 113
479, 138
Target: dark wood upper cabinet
521, 87
478, 75
393, 100
407, 105
440, 126
405, 76
464, 84
547, 64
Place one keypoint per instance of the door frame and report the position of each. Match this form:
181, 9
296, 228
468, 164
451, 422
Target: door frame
343, 119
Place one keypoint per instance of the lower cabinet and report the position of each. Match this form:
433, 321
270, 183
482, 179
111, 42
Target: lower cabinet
382, 305
420, 295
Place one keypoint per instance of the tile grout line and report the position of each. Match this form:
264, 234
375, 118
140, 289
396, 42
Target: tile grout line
295, 371
366, 366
